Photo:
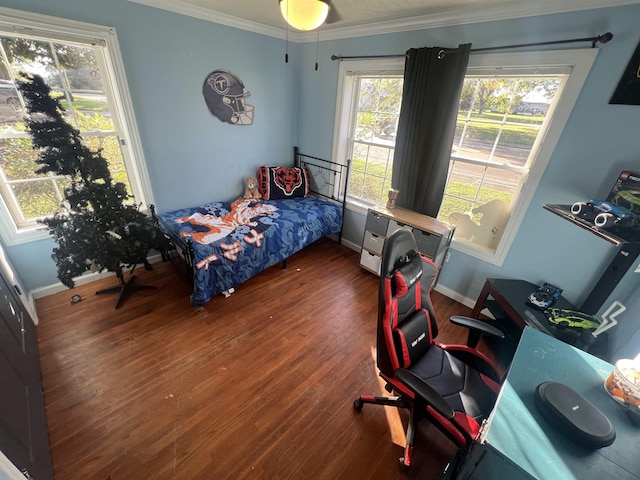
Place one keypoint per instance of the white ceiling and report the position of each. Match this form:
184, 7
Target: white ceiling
367, 17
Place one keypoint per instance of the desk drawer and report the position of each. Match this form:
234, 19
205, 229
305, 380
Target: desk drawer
427, 242
370, 261
373, 242
394, 225
376, 223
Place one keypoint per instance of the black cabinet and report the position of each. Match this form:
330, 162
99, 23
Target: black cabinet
23, 429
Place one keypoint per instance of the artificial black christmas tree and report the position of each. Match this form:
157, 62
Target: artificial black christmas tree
97, 228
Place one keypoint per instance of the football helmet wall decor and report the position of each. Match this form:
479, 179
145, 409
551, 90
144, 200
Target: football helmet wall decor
225, 96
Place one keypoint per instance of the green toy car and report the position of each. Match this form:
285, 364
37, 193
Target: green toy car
563, 319
629, 199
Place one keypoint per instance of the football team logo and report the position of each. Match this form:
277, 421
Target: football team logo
225, 96
287, 179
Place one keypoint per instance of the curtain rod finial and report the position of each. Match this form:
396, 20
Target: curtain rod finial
605, 37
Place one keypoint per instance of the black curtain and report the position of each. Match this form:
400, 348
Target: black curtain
432, 84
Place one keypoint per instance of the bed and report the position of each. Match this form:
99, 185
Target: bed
222, 244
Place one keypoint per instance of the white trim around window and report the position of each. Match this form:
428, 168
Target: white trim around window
15, 21
345, 104
579, 61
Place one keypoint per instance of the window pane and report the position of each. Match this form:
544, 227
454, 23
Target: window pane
375, 122
10, 107
72, 73
359, 157
364, 127
451, 204
37, 199
356, 183
83, 84
110, 149
29, 55
498, 184
499, 119
18, 158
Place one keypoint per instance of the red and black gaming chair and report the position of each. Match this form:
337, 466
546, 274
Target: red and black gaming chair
453, 386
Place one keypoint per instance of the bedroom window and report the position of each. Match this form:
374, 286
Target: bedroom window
369, 115
501, 117
80, 62
512, 110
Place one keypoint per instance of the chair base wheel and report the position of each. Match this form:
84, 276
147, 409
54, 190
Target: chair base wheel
358, 404
403, 466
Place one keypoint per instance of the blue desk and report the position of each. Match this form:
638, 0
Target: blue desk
518, 443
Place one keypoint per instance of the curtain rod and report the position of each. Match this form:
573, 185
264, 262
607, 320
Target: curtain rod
604, 38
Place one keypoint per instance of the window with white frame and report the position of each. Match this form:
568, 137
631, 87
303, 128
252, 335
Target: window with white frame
368, 118
512, 110
81, 64
502, 114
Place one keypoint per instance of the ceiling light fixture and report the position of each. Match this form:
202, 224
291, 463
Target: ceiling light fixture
305, 15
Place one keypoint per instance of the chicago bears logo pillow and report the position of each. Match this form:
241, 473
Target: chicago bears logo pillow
283, 182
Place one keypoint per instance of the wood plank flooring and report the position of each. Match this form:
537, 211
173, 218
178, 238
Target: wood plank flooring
258, 385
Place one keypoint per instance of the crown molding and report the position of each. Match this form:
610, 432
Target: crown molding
182, 8
459, 16
462, 17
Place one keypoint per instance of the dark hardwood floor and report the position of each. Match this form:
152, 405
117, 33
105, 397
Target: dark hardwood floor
257, 385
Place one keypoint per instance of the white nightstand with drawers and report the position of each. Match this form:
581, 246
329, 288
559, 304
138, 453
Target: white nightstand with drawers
432, 236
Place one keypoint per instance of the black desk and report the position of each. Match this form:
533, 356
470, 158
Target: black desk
506, 299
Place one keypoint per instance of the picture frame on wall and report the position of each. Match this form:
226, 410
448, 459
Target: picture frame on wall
628, 90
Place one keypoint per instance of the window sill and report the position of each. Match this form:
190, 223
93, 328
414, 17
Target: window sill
12, 236
358, 206
25, 236
494, 257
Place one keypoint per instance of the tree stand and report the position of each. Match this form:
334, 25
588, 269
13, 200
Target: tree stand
124, 287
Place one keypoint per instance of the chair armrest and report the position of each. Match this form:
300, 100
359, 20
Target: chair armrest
425, 392
479, 325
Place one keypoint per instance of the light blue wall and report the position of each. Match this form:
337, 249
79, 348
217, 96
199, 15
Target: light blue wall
598, 141
192, 157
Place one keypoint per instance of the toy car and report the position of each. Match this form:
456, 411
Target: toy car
570, 318
629, 199
544, 296
604, 214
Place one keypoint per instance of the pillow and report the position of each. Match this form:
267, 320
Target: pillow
412, 338
283, 182
407, 275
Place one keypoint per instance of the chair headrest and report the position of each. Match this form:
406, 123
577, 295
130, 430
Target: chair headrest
407, 275
400, 245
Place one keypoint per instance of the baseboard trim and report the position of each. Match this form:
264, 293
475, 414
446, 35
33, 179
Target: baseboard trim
447, 292
82, 280
92, 277
353, 246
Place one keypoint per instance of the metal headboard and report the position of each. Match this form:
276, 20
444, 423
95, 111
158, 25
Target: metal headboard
326, 179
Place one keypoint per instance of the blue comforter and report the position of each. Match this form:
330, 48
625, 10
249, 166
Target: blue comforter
233, 241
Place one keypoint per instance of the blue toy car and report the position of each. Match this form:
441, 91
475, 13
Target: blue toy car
544, 296
604, 214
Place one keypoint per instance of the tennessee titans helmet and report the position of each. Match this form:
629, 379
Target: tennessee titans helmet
225, 96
